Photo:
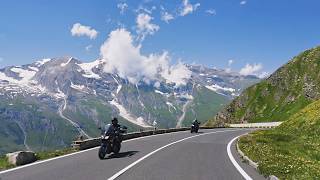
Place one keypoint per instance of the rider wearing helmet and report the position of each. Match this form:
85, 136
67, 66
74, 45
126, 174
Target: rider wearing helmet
196, 122
114, 126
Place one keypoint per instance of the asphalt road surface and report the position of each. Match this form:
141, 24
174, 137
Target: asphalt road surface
179, 155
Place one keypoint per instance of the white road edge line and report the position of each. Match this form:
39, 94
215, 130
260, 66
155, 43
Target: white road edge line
159, 149
234, 162
71, 154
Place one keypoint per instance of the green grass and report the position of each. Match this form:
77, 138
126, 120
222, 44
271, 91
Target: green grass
290, 151
39, 155
4, 163
51, 154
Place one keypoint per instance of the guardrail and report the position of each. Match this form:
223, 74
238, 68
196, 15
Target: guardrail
94, 142
256, 125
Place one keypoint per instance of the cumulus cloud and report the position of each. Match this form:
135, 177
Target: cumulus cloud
81, 30
230, 62
243, 2
123, 7
166, 17
253, 69
125, 59
211, 12
188, 8
263, 75
144, 26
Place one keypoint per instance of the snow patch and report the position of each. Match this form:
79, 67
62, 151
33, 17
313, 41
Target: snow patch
87, 68
26, 76
33, 68
42, 62
125, 114
159, 92
77, 87
64, 64
216, 87
60, 94
171, 105
186, 96
119, 85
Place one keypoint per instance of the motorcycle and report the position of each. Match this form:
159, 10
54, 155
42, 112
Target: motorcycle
111, 142
195, 128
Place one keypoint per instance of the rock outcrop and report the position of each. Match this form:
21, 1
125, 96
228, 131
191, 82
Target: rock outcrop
21, 158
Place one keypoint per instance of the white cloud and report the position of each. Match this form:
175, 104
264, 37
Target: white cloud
263, 75
243, 2
144, 26
89, 47
228, 69
188, 8
142, 9
176, 74
81, 30
125, 59
123, 7
166, 17
212, 12
251, 69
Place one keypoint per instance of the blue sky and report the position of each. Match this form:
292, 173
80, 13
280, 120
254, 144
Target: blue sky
213, 32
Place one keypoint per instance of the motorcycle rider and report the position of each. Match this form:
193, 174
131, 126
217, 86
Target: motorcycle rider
196, 123
112, 138
114, 127
195, 126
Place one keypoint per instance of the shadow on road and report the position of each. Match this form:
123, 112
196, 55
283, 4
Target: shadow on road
121, 155
199, 132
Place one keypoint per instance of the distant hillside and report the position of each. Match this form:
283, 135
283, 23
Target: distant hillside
290, 151
284, 93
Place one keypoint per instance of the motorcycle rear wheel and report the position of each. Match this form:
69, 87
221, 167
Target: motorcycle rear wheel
116, 148
102, 152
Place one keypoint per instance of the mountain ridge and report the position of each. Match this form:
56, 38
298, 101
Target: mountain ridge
52, 101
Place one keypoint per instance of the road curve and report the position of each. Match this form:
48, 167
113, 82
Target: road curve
167, 156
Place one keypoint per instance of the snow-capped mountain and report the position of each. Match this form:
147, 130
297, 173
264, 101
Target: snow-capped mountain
49, 102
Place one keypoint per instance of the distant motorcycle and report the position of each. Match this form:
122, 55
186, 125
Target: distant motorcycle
195, 127
111, 141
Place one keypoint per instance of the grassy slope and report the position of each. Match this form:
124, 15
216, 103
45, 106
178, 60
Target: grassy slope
4, 163
46, 132
206, 104
292, 150
285, 92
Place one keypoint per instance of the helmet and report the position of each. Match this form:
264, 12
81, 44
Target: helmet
114, 121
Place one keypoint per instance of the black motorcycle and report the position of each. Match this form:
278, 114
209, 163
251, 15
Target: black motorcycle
195, 127
111, 140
